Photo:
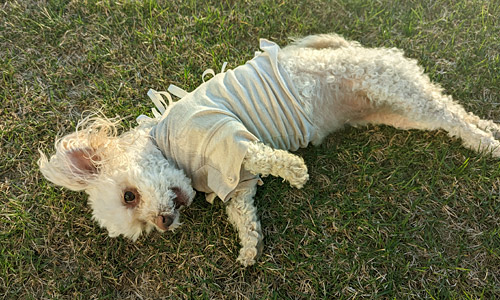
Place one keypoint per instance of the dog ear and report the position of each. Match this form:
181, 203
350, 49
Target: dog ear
71, 168
83, 161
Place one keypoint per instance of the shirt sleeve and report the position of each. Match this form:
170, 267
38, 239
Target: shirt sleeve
224, 156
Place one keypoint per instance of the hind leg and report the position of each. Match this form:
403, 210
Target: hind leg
399, 94
433, 110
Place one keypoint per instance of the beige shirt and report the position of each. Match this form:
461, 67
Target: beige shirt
205, 132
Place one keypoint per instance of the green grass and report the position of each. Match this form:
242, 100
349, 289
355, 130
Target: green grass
387, 214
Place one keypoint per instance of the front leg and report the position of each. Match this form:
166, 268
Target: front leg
242, 213
264, 160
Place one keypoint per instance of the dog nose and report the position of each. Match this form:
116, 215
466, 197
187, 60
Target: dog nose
163, 222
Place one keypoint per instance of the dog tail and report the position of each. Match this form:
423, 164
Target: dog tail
323, 41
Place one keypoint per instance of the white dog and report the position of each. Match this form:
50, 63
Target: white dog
221, 136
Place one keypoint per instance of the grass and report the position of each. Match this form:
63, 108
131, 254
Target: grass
387, 214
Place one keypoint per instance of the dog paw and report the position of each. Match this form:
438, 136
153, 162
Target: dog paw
298, 175
299, 182
249, 255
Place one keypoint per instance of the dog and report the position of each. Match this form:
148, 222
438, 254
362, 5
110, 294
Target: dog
240, 125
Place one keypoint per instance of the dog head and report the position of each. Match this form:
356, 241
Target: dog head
132, 187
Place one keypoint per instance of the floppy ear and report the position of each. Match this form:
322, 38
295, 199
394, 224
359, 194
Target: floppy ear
71, 168
80, 156
83, 161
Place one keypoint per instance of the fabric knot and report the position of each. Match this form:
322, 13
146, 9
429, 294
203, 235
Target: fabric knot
161, 107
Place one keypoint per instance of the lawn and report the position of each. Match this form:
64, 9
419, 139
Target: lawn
387, 214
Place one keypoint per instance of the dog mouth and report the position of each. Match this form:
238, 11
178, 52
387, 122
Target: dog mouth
181, 199
169, 221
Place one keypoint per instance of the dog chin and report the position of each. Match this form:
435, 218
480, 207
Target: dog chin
174, 226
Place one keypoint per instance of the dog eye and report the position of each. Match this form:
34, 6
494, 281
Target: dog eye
131, 198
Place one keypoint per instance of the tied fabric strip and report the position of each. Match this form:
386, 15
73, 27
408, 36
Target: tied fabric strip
158, 101
161, 107
211, 71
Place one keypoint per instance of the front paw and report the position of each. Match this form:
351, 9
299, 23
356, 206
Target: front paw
298, 175
249, 255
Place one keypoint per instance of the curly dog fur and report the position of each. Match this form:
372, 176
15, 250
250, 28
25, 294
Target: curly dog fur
134, 188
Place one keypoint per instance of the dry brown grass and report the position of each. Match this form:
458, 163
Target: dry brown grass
387, 214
